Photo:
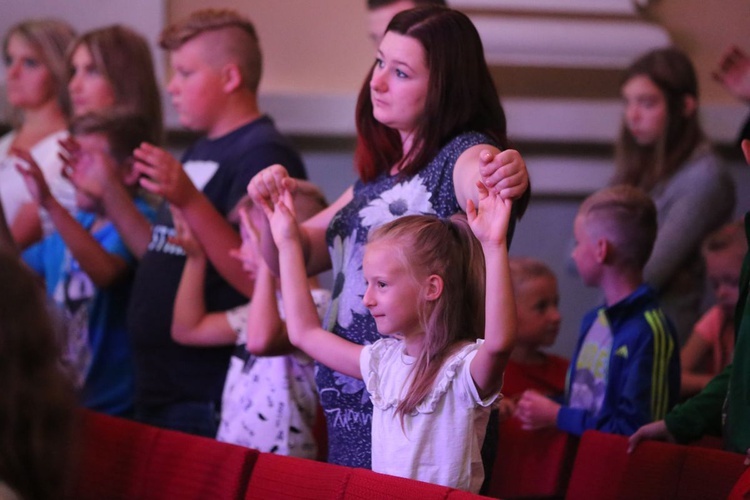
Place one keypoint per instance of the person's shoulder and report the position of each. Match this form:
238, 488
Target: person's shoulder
261, 141
704, 165
466, 140
644, 319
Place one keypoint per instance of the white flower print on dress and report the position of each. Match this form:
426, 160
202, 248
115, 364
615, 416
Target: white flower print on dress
405, 198
348, 281
351, 385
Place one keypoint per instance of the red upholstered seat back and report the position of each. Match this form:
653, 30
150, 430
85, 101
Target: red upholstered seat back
192, 467
278, 477
741, 489
368, 484
655, 470
599, 466
125, 459
531, 463
114, 457
709, 473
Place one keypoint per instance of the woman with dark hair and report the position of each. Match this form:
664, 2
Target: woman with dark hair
663, 150
36, 78
430, 126
37, 403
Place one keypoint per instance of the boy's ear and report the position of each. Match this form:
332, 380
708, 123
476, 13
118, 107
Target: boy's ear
231, 77
745, 145
603, 250
434, 287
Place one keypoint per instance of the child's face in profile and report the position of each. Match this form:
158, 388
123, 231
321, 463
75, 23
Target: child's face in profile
196, 84
723, 270
391, 295
537, 309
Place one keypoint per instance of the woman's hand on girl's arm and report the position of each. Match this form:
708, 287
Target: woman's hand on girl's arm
504, 172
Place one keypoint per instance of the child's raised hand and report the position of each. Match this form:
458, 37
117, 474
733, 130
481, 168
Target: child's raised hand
249, 253
33, 177
163, 175
504, 173
489, 221
734, 72
185, 237
91, 172
268, 185
283, 220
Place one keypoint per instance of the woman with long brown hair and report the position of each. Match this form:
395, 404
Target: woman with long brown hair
662, 149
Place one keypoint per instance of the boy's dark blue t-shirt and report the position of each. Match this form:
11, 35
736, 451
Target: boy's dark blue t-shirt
167, 372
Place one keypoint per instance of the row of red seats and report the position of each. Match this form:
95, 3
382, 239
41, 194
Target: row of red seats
553, 464
124, 459
655, 470
121, 459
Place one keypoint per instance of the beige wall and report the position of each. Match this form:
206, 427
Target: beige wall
704, 28
321, 46
308, 45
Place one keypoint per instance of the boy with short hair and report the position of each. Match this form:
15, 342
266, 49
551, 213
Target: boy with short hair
86, 266
625, 371
216, 62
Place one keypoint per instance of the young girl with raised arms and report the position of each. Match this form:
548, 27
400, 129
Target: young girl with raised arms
431, 381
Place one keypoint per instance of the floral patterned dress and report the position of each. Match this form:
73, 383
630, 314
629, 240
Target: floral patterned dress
344, 399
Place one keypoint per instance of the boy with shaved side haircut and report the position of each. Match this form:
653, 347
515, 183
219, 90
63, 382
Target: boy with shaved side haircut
625, 371
216, 67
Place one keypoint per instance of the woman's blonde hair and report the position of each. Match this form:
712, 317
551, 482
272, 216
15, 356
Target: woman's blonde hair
124, 58
428, 245
50, 38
